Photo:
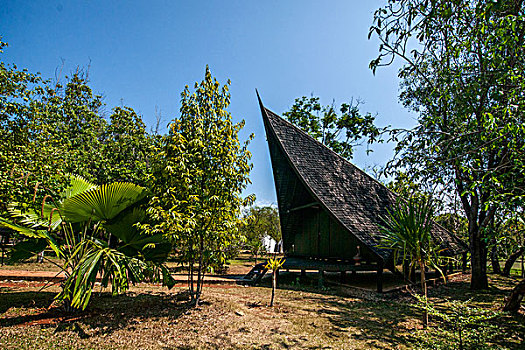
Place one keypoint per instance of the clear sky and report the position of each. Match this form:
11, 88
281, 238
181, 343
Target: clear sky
144, 52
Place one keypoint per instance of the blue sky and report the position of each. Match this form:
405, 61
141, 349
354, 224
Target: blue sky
144, 52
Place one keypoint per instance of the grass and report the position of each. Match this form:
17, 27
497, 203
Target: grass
232, 317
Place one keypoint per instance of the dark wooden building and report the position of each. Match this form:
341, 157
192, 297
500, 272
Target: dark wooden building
328, 207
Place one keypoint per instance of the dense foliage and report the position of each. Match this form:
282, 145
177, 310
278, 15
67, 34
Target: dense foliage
463, 75
92, 229
260, 222
51, 129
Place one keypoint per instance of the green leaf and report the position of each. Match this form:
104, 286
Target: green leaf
26, 249
102, 203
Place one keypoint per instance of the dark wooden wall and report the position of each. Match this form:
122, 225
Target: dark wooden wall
318, 235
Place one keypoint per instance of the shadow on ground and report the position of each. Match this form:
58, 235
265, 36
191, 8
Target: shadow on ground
104, 315
393, 319
37, 300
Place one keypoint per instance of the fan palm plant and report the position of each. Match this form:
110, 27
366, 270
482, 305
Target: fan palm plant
94, 230
407, 232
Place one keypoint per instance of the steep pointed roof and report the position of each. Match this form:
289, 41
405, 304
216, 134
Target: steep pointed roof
355, 199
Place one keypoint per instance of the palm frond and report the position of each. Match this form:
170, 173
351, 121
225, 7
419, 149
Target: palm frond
102, 203
76, 186
27, 249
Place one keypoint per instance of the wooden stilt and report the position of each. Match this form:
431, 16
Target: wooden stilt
380, 277
343, 276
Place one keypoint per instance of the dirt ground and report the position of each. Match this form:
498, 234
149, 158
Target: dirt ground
234, 317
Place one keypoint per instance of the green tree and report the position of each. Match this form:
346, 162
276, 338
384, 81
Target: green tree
464, 63
128, 148
66, 129
19, 156
202, 170
507, 240
49, 130
340, 132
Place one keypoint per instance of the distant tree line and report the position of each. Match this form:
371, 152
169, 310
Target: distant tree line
49, 129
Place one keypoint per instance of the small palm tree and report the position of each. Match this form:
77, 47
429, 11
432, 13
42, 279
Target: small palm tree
407, 231
274, 264
94, 230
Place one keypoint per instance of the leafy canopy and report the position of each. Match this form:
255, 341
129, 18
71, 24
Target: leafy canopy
463, 74
340, 132
49, 129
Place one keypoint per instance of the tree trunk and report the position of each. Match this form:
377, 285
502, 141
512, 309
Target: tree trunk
274, 285
424, 290
477, 220
200, 271
478, 252
494, 258
191, 270
522, 265
516, 296
67, 306
3, 241
511, 260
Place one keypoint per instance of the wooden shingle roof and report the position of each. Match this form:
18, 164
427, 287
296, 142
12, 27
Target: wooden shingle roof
355, 199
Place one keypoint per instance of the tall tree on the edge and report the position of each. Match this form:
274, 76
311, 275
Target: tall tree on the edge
464, 63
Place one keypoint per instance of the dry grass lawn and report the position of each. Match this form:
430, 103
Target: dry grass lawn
234, 317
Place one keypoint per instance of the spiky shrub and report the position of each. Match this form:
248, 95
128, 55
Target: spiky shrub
407, 231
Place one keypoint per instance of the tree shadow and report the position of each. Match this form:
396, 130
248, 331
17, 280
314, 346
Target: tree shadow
110, 313
104, 315
32, 308
31, 299
361, 286
460, 290
393, 319
380, 320
510, 326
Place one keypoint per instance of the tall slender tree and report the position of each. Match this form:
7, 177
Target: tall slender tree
201, 172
